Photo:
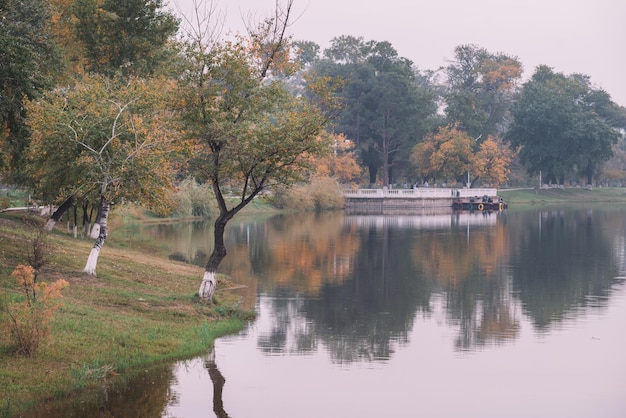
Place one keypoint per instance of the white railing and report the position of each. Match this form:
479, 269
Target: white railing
419, 193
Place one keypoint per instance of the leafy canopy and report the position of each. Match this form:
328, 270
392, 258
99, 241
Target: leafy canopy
103, 137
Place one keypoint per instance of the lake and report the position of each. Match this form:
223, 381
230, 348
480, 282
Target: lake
514, 314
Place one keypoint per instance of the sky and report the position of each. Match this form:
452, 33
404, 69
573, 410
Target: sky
571, 36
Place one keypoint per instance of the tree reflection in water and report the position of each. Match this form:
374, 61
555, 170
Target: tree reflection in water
356, 287
481, 271
218, 384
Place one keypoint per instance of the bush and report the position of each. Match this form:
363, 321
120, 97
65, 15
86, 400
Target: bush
322, 193
28, 318
193, 199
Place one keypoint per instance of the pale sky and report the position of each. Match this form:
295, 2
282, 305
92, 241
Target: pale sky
572, 36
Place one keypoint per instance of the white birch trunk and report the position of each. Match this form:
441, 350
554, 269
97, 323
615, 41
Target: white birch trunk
92, 261
207, 287
50, 224
95, 231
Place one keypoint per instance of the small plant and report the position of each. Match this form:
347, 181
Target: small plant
28, 318
38, 253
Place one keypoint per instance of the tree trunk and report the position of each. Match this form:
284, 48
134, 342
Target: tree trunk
385, 152
86, 218
372, 170
209, 280
589, 173
58, 213
92, 261
218, 385
95, 229
75, 227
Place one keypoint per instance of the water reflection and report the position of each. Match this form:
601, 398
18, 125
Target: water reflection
398, 294
355, 284
143, 394
218, 381
561, 259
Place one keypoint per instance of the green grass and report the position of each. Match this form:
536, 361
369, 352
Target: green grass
141, 309
561, 196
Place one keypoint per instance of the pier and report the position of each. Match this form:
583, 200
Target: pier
422, 199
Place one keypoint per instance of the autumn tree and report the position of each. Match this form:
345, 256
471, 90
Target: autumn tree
249, 131
107, 139
340, 164
481, 87
563, 126
491, 162
446, 155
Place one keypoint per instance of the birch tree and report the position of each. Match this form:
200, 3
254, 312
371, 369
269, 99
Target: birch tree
104, 139
249, 130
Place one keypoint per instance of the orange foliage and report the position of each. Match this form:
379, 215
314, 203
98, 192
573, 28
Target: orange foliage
28, 320
313, 254
489, 249
340, 164
500, 75
444, 155
493, 161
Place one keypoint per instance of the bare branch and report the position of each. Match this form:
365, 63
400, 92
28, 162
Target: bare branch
205, 25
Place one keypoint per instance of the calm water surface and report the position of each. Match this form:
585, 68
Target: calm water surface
517, 314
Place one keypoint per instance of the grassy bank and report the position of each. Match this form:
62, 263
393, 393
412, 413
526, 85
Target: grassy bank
141, 309
566, 195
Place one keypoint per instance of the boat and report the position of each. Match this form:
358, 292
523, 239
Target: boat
484, 203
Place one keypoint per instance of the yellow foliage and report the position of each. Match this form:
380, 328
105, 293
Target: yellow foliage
493, 161
340, 164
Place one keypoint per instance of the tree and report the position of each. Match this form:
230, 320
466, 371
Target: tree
249, 131
481, 89
28, 64
445, 155
117, 39
341, 164
556, 113
492, 162
308, 51
130, 37
107, 139
388, 104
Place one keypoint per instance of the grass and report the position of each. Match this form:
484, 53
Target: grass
566, 195
141, 309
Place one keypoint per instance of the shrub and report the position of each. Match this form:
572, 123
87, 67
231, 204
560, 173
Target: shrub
28, 318
192, 199
321, 193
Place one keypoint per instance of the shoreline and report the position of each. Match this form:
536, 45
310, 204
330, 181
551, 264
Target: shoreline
142, 309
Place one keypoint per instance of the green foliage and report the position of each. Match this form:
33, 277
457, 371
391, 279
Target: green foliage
481, 89
388, 104
125, 37
105, 137
28, 64
556, 113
